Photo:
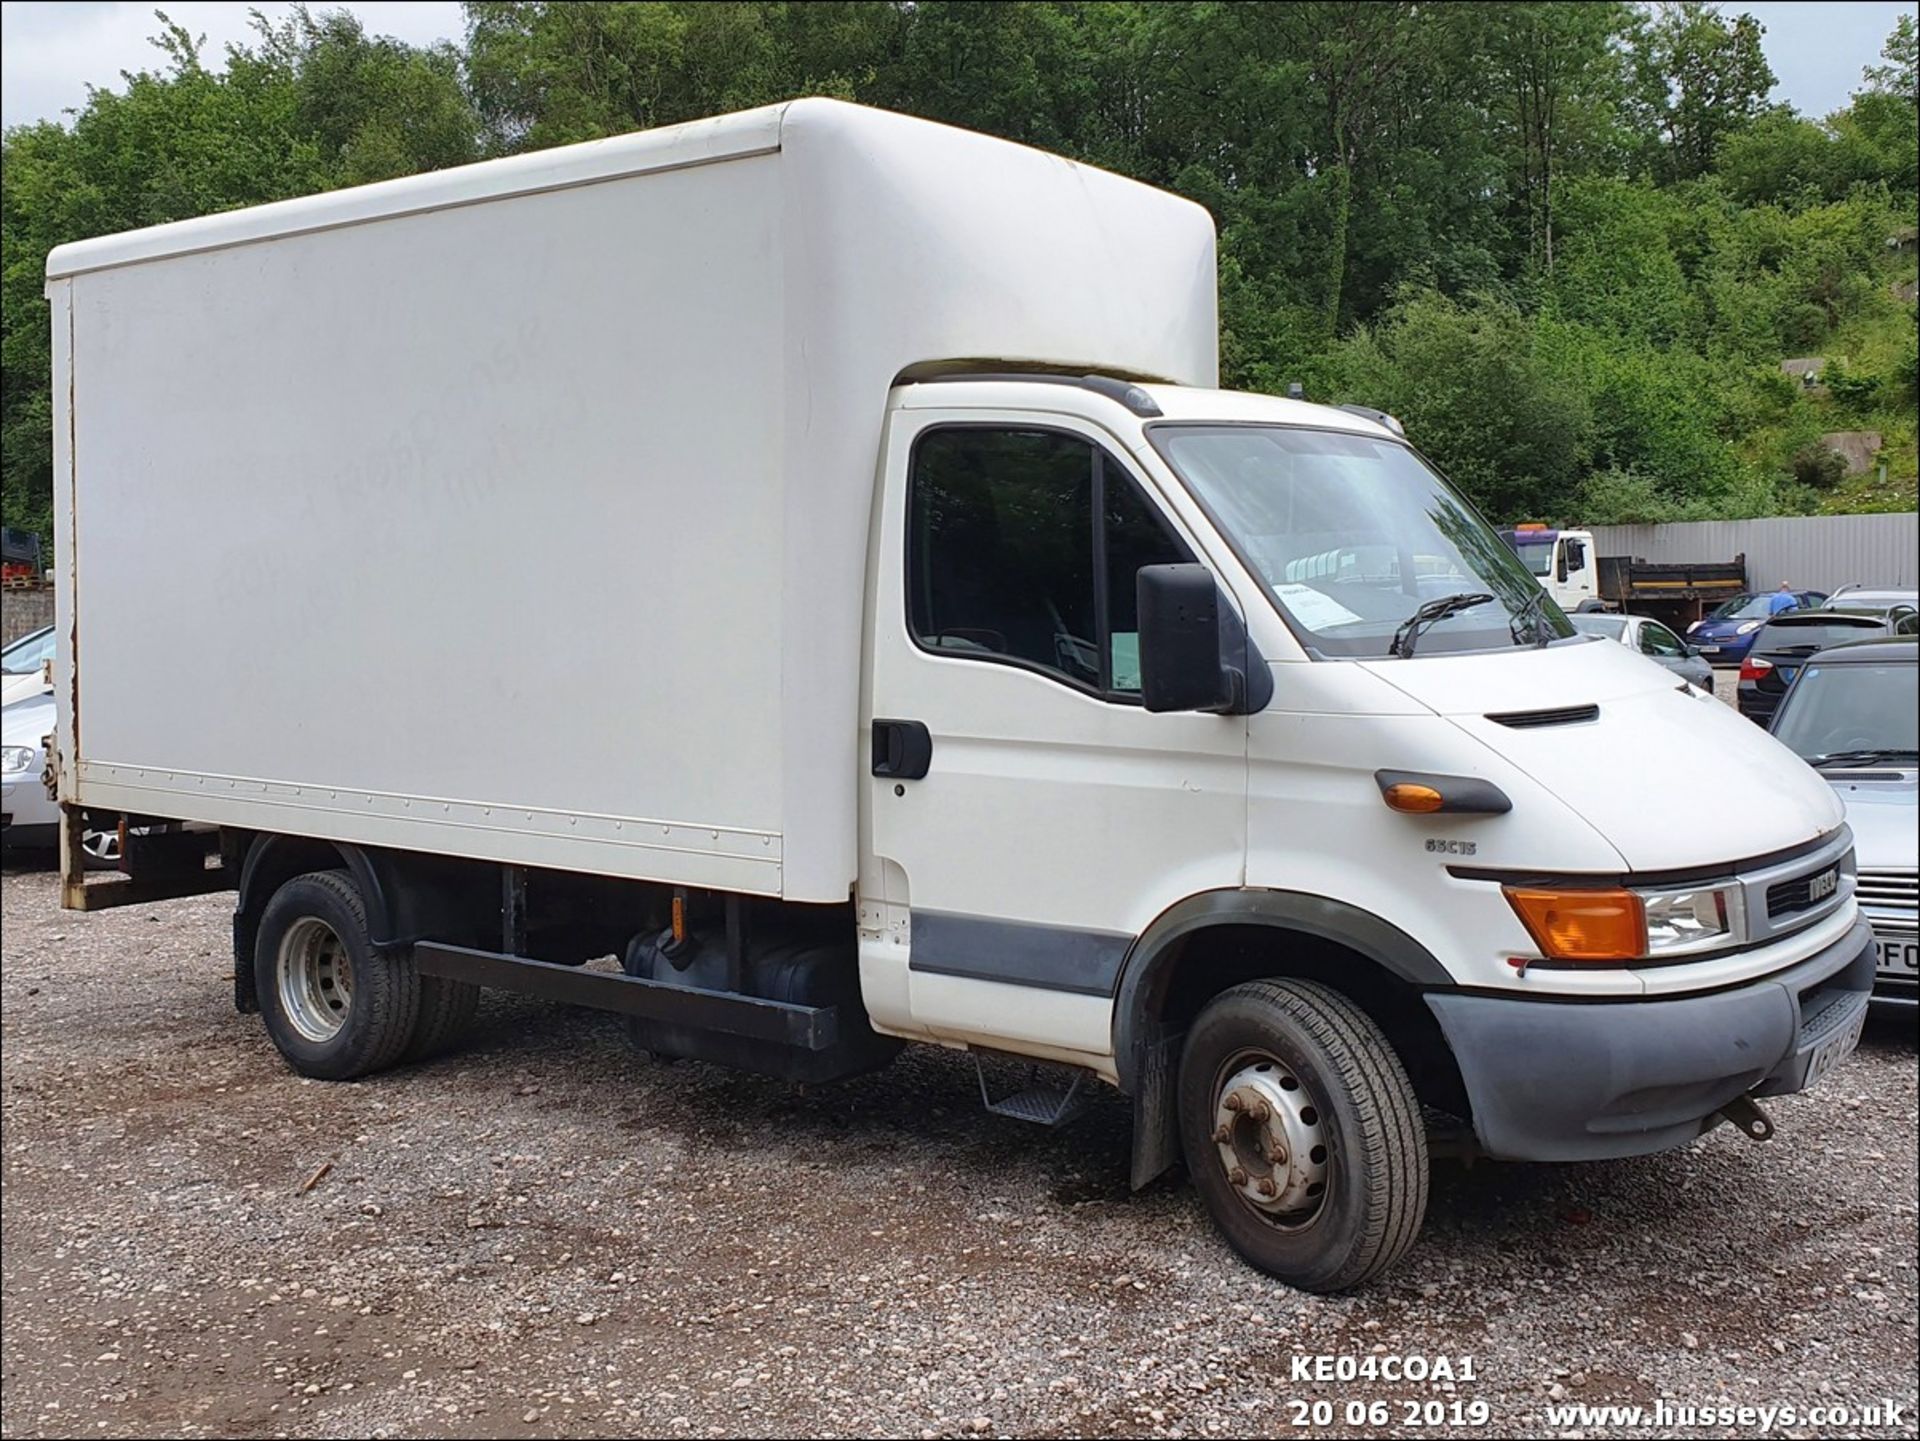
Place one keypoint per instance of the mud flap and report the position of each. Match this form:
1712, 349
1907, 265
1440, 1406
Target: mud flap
1156, 1108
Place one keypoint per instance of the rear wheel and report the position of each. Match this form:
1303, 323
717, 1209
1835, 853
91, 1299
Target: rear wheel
334, 1006
446, 1008
1303, 1134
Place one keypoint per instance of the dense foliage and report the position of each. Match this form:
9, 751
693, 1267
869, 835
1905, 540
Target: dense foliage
1569, 244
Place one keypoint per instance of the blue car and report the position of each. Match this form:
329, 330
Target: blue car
1726, 634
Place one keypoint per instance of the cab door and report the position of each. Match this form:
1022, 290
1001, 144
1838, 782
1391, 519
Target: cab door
1027, 818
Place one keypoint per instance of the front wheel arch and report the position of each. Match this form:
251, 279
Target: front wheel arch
1215, 940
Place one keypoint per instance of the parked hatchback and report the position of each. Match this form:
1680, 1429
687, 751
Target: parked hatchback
1854, 715
1789, 641
1652, 639
1728, 630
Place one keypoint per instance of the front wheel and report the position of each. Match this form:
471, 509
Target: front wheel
1303, 1134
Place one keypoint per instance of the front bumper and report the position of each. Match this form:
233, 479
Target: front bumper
1588, 1081
1722, 650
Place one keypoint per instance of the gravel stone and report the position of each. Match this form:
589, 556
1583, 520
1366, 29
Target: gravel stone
875, 1258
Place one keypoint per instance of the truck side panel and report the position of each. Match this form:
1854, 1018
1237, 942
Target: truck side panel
398, 532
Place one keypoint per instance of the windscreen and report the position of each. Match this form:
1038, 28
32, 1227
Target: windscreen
1535, 555
1816, 632
1750, 607
1851, 709
1613, 627
28, 654
1353, 535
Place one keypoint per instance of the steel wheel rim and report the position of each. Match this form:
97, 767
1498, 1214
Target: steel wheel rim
1270, 1140
314, 978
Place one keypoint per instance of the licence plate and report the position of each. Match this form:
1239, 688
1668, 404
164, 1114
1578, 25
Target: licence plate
1836, 1048
1897, 958
1709, 650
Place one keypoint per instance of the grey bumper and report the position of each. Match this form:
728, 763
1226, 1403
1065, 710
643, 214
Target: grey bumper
1585, 1081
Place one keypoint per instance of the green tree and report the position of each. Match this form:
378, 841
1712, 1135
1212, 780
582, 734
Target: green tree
1559, 87
1699, 78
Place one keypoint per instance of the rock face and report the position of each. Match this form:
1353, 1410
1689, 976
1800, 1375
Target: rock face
1856, 447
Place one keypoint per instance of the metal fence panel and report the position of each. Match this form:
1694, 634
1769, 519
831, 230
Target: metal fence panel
1807, 552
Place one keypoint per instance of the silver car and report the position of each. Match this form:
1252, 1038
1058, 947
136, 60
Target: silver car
28, 820
1652, 639
1853, 714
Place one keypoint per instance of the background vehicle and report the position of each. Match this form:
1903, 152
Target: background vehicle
1653, 640
23, 666
1785, 643
1854, 715
1899, 606
1727, 632
1573, 572
29, 820
19, 556
939, 658
1563, 561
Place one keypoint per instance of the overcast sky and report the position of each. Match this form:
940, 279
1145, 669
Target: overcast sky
52, 49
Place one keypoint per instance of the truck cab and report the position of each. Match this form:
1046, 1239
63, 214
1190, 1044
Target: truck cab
1563, 561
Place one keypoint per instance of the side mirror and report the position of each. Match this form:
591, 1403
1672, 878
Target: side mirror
1180, 667
1560, 570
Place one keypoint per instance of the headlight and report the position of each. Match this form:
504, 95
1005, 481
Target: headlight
1693, 918
1612, 926
14, 759
1579, 924
1748, 627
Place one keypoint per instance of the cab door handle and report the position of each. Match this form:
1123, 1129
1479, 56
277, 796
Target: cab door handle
902, 749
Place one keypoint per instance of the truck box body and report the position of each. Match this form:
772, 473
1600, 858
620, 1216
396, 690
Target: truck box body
520, 511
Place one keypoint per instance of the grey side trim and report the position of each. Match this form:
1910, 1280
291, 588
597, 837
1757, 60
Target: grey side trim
1049, 958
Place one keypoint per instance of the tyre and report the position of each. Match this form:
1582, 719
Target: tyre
1303, 1134
446, 1008
333, 1006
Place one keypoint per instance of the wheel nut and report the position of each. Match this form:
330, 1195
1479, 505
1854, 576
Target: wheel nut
1277, 1155
1237, 1176
1234, 1102
1266, 1187
1223, 1135
1260, 1110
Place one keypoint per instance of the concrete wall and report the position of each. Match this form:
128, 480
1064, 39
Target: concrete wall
1808, 552
24, 610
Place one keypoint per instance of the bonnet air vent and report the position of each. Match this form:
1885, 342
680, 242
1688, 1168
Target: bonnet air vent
1521, 720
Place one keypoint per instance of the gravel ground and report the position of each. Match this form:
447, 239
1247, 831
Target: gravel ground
546, 1235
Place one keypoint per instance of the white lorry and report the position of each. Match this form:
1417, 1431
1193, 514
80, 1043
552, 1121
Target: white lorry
919, 649
1563, 561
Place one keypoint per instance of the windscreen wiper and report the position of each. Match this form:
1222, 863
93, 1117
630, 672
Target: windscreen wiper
1883, 755
1534, 606
1405, 638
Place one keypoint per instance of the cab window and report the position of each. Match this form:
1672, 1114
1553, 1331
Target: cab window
1022, 549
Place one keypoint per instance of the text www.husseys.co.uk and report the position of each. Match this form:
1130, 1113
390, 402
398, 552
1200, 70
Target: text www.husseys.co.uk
1752, 1420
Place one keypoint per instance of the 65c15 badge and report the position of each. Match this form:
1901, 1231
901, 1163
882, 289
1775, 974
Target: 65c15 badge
1438, 847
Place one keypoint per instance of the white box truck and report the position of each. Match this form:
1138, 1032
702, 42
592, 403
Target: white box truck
801, 555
